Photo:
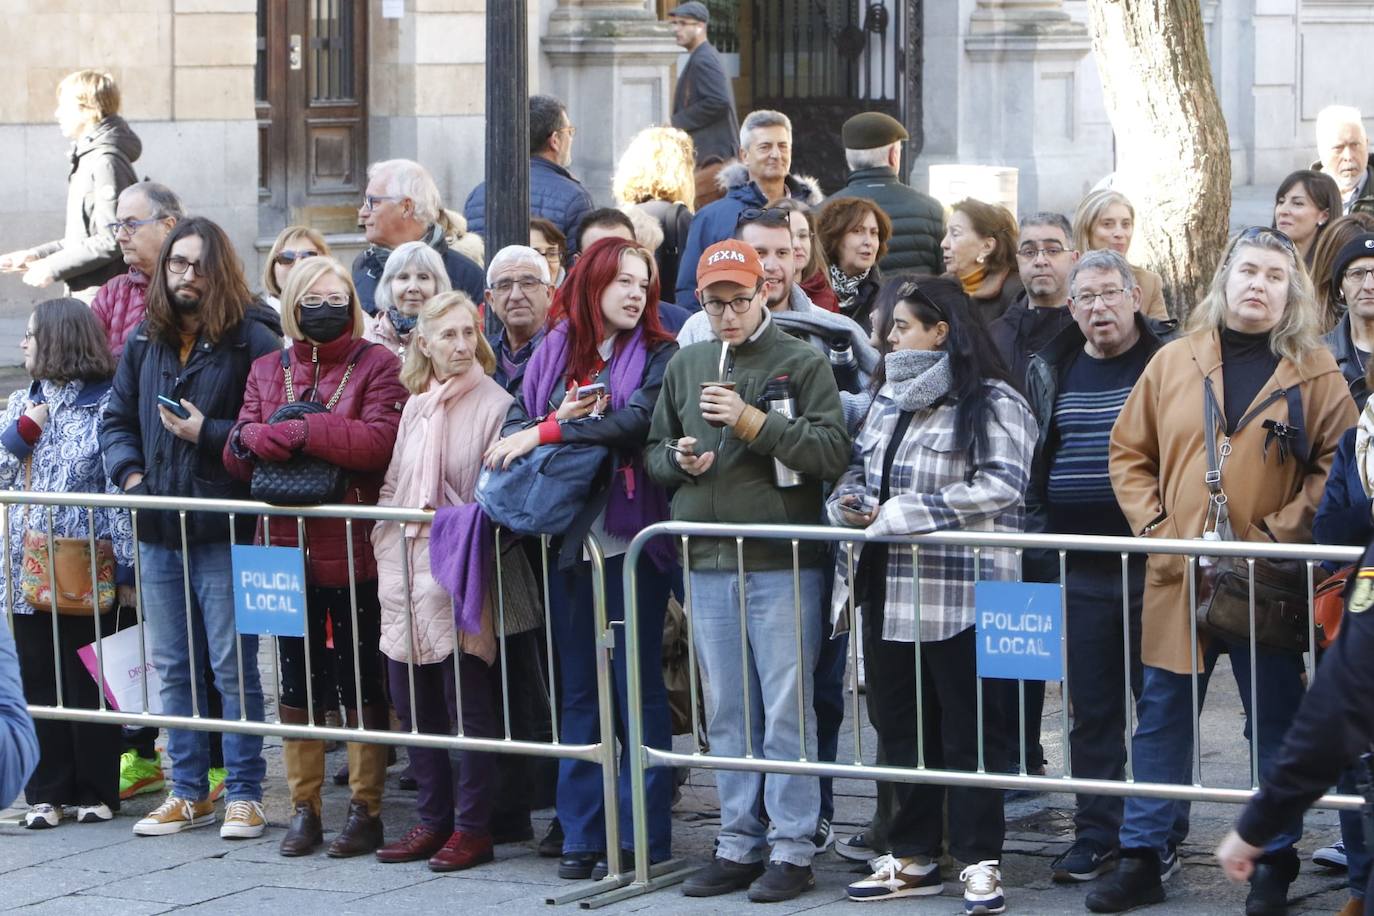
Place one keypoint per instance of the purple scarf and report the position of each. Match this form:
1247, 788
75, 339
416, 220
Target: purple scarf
459, 556
635, 501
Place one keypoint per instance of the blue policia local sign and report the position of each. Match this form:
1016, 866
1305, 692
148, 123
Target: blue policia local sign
1019, 624
269, 590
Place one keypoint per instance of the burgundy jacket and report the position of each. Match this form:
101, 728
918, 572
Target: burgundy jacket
119, 304
358, 434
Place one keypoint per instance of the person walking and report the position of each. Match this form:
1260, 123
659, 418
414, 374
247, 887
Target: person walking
703, 102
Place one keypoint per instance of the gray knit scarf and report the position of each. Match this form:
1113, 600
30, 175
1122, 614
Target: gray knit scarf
918, 378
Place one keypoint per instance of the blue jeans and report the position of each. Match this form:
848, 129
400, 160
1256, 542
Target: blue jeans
213, 630
1352, 834
581, 806
774, 676
1163, 743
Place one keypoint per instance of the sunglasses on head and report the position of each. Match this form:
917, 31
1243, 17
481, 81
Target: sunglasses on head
768, 216
1255, 232
911, 292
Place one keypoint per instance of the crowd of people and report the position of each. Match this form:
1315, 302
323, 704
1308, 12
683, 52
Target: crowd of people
869, 360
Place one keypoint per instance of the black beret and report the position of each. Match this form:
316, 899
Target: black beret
872, 129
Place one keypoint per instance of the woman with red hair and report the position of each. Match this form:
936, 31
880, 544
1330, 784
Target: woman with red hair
603, 328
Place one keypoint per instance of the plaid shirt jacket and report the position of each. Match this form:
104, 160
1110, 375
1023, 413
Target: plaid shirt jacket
933, 488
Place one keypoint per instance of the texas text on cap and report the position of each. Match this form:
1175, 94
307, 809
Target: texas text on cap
1361, 246
692, 10
872, 129
732, 261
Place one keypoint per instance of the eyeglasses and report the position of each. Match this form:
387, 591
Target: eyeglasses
129, 226
287, 258
1255, 232
1357, 275
773, 216
333, 300
1030, 252
370, 201
526, 283
572, 131
1109, 297
28, 334
179, 265
912, 292
739, 305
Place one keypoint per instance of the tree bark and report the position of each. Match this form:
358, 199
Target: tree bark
1172, 150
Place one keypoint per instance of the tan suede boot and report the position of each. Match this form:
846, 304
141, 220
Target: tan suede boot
366, 777
304, 777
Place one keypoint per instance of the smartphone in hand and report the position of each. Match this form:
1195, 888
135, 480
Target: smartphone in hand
174, 406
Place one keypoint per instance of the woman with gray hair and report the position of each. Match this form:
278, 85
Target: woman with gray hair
414, 274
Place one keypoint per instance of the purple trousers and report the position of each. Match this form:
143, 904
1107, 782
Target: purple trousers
456, 790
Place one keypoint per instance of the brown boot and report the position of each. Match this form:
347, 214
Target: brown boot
304, 777
366, 777
1352, 907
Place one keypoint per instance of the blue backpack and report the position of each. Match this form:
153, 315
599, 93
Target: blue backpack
543, 490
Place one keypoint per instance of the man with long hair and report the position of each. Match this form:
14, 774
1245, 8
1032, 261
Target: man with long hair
202, 331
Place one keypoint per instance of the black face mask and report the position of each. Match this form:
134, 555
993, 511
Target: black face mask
327, 322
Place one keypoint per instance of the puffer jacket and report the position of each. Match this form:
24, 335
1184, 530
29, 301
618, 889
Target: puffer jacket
918, 220
119, 307
555, 195
357, 434
133, 438
473, 423
715, 222
64, 459
463, 272
102, 166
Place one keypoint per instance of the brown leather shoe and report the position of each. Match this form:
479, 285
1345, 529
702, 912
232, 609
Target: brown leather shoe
463, 850
420, 843
361, 834
304, 833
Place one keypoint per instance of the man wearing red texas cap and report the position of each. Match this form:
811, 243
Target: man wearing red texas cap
733, 460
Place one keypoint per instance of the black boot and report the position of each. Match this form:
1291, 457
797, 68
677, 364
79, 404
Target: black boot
1134, 883
1269, 884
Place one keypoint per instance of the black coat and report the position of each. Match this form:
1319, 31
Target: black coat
918, 220
1023, 330
1338, 341
133, 438
676, 222
463, 273
704, 106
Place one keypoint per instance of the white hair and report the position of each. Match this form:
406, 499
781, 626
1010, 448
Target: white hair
409, 179
410, 255
762, 118
1333, 117
869, 158
518, 254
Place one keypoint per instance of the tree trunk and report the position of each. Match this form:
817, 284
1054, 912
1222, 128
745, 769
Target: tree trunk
1172, 151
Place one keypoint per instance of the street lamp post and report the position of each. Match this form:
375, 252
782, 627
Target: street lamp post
508, 131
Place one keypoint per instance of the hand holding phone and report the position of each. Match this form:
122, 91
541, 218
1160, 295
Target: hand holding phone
585, 391
174, 407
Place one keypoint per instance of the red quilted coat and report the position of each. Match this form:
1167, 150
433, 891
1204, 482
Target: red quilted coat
118, 305
357, 434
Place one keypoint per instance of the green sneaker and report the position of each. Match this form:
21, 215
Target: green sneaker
217, 777
139, 776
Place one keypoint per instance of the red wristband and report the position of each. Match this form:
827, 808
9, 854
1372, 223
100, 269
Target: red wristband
550, 432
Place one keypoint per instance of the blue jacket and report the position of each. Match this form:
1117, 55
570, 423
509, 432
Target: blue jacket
715, 222
1343, 514
554, 194
18, 742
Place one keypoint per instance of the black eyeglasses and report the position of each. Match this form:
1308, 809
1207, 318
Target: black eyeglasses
775, 217
1255, 232
911, 292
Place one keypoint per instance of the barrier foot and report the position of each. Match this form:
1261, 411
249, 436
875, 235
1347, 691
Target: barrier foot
615, 888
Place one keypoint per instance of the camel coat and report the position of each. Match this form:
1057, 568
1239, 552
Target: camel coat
1158, 464
1151, 293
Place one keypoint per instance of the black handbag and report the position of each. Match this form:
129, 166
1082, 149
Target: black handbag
1281, 598
301, 480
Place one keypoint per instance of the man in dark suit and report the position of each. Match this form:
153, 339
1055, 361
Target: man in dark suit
703, 105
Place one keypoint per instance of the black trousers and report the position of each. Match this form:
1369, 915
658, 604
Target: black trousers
949, 713
78, 762
331, 684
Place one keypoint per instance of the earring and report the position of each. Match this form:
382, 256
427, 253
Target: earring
981, 258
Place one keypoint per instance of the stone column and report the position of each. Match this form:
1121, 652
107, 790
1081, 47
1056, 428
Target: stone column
611, 62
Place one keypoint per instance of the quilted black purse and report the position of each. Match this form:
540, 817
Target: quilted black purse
301, 480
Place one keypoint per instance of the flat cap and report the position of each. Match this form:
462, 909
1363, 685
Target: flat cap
872, 129
691, 10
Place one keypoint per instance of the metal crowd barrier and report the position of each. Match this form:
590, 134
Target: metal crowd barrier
603, 752
644, 877
845, 539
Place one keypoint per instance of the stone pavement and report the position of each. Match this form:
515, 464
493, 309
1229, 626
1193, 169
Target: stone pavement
105, 869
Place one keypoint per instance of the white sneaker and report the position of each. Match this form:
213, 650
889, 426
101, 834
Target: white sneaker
42, 817
93, 814
898, 877
243, 820
1332, 856
983, 888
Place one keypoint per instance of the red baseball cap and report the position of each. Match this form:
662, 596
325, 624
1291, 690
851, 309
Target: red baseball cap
730, 260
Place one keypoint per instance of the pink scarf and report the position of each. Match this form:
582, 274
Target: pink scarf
422, 486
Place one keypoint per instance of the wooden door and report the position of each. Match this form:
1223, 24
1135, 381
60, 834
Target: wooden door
312, 113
